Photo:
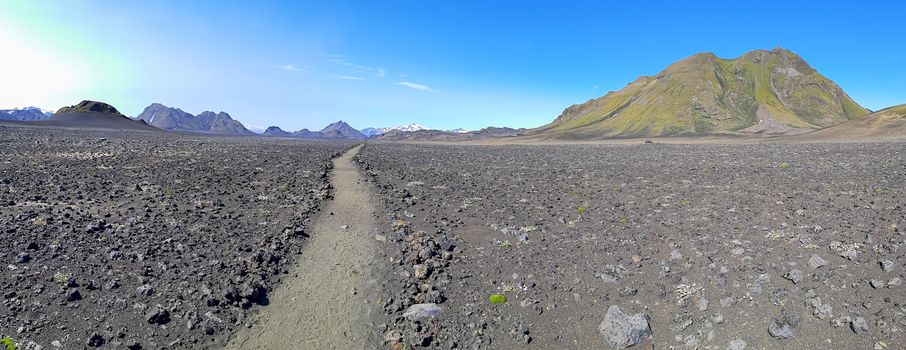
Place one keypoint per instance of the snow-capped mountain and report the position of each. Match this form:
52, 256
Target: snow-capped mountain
459, 131
25, 114
369, 132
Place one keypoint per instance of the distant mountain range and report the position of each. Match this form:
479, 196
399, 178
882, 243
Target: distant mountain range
336, 131
769, 92
25, 114
175, 119
371, 132
453, 135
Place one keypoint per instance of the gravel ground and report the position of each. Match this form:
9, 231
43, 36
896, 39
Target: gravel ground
670, 246
148, 241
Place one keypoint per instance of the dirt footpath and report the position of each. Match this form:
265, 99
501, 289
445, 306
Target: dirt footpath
325, 305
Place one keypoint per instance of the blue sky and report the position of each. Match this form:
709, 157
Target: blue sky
444, 64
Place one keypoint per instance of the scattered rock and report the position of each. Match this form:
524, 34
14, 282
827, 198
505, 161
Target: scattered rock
783, 326
794, 275
816, 262
624, 331
736, 344
158, 315
858, 325
419, 311
95, 341
145, 290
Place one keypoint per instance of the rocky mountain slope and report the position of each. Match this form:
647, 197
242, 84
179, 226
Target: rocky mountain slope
341, 130
87, 115
772, 92
175, 119
886, 124
25, 114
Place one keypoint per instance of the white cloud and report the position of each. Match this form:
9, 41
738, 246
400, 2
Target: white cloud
347, 77
338, 60
290, 68
416, 86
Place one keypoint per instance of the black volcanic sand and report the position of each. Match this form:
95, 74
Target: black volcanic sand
148, 240
720, 245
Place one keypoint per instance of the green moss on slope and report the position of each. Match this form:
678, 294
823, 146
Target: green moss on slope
703, 94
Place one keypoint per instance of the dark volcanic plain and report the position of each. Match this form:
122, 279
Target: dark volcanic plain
165, 241
148, 240
755, 246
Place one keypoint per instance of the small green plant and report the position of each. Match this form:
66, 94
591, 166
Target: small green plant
61, 278
8, 343
574, 193
784, 165
582, 210
509, 288
504, 244
497, 298
623, 221
684, 202
877, 191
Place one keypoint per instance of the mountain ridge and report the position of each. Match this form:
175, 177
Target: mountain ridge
335, 131
770, 92
175, 119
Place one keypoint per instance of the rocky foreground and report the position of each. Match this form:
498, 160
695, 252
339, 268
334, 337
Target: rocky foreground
148, 241
647, 246
161, 241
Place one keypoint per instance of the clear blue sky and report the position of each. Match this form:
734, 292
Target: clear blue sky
444, 64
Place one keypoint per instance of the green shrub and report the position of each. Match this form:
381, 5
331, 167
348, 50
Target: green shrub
8, 343
497, 298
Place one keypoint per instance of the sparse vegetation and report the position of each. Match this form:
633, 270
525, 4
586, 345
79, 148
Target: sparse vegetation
8, 343
60, 277
497, 299
784, 165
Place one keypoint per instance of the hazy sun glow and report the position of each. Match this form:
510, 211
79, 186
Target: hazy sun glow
32, 75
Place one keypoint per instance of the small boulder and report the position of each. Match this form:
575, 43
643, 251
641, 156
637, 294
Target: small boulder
795, 275
816, 261
736, 344
145, 290
622, 331
419, 311
158, 315
859, 325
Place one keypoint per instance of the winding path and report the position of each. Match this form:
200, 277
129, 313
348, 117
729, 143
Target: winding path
324, 305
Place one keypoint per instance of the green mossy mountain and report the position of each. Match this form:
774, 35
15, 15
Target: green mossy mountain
772, 92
